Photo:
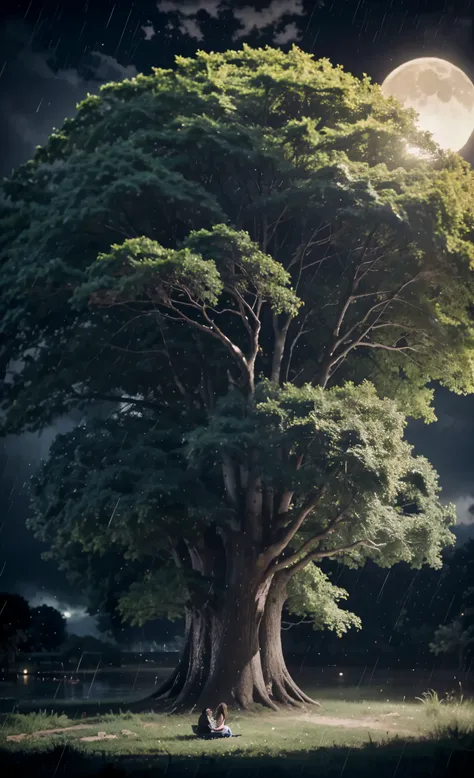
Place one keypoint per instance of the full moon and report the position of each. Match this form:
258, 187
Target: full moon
441, 94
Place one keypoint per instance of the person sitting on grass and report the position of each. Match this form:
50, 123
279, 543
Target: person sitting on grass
205, 724
211, 729
221, 729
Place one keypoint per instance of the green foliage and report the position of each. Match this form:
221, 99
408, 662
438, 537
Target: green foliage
353, 449
121, 484
131, 269
29, 629
225, 254
19, 723
310, 592
457, 637
281, 164
160, 593
431, 701
245, 268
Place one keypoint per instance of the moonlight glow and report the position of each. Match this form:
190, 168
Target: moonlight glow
441, 94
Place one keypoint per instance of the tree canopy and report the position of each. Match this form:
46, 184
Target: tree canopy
138, 487
308, 201
245, 257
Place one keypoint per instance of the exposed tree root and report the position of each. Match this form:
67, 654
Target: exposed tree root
296, 692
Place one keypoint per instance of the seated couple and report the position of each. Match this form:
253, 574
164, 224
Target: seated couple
209, 727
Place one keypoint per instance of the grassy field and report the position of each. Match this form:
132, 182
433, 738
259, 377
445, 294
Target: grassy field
347, 737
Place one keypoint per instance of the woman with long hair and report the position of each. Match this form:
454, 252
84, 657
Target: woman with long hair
221, 729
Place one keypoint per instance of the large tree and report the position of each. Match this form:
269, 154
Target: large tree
226, 252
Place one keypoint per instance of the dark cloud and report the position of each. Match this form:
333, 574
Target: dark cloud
449, 445
273, 16
277, 17
36, 94
79, 621
20, 553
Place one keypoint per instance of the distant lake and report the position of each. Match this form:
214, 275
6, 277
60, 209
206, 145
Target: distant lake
107, 684
133, 683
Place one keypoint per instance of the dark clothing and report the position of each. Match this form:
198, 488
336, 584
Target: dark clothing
213, 734
204, 725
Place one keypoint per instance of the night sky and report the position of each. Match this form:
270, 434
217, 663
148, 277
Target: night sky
53, 53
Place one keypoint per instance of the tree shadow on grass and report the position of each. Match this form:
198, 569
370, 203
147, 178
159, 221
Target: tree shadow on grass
428, 758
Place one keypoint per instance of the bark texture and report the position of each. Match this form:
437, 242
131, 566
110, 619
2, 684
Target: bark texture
278, 680
233, 653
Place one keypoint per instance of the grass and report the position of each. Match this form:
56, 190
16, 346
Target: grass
451, 716
263, 735
345, 735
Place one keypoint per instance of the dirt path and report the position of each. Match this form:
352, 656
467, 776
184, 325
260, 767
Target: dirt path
44, 732
349, 723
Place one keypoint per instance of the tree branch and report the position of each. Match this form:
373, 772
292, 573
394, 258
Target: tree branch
383, 304
279, 347
336, 340
308, 544
368, 344
295, 340
302, 563
229, 475
285, 500
275, 549
99, 396
214, 331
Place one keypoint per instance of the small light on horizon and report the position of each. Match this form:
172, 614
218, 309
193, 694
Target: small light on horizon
25, 671
67, 614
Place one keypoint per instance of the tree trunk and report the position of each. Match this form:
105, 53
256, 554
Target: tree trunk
234, 654
278, 681
191, 671
235, 668
233, 650
220, 661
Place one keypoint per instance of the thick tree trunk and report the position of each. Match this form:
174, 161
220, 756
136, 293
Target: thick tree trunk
278, 681
235, 655
221, 657
233, 650
220, 660
235, 668
192, 669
